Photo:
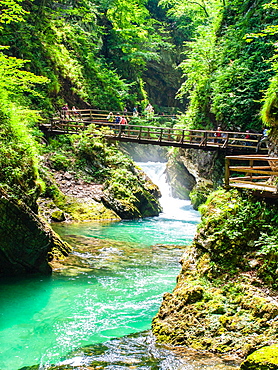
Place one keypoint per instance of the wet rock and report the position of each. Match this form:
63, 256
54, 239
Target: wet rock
27, 242
58, 216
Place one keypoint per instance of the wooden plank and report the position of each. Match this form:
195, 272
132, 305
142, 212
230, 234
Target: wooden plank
234, 168
248, 177
254, 187
271, 173
250, 156
252, 183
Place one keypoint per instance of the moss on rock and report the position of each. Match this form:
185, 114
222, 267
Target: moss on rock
265, 358
222, 301
27, 241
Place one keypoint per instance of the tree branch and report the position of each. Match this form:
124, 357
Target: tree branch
201, 6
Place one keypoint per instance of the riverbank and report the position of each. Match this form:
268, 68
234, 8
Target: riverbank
226, 300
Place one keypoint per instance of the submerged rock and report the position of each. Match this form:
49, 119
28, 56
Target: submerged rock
137, 351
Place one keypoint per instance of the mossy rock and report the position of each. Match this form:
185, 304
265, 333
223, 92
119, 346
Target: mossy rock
190, 294
80, 210
58, 216
200, 192
266, 358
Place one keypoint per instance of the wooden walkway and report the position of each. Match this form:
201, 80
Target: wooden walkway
229, 142
255, 172
249, 170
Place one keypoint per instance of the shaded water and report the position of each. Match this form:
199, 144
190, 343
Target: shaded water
111, 286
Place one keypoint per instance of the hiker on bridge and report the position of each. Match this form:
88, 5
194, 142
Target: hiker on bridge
110, 118
149, 110
248, 136
264, 139
218, 134
125, 112
135, 112
75, 112
65, 112
118, 118
123, 123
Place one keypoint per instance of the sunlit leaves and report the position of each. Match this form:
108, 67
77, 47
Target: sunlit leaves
270, 108
13, 78
134, 31
11, 11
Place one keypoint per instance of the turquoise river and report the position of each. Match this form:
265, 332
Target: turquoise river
95, 310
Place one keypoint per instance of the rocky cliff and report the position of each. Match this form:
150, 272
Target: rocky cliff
27, 242
226, 298
194, 173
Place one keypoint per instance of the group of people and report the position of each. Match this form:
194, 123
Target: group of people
67, 113
118, 119
264, 139
149, 110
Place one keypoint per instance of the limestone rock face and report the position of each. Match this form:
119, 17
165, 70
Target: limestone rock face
200, 164
26, 241
181, 180
224, 301
164, 77
195, 172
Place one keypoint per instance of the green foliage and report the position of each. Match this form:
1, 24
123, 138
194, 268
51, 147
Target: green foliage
237, 224
18, 157
225, 76
59, 161
270, 108
14, 79
122, 185
92, 53
11, 11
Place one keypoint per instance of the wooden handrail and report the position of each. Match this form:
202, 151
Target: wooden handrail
257, 177
180, 137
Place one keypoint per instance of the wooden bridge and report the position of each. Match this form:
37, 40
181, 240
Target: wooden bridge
229, 142
249, 170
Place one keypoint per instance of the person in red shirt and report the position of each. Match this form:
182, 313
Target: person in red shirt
218, 134
123, 122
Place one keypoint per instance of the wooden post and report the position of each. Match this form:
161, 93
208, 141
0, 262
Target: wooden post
182, 137
161, 134
227, 173
169, 134
251, 166
140, 133
225, 144
204, 140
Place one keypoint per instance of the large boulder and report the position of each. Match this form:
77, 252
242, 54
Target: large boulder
27, 243
265, 358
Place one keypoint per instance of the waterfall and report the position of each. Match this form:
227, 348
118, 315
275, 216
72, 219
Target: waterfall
173, 208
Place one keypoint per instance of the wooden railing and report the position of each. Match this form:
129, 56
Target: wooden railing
92, 114
164, 136
256, 172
